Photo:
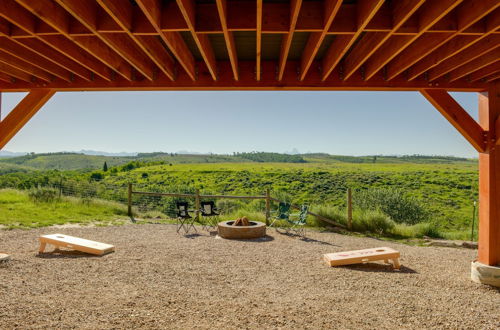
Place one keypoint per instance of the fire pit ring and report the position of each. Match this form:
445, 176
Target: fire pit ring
255, 230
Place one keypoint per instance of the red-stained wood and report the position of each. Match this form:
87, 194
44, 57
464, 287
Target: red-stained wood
295, 6
152, 9
331, 8
258, 40
340, 46
485, 72
14, 72
24, 66
22, 113
187, 8
457, 116
489, 179
477, 64
228, 37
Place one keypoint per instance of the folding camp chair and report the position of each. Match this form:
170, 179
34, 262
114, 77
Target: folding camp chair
210, 212
283, 212
297, 225
184, 219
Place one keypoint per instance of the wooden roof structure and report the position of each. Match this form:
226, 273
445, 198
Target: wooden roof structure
429, 46
248, 44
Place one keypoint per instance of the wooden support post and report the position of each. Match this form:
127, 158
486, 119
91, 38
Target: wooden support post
349, 208
489, 180
268, 206
197, 205
22, 113
129, 212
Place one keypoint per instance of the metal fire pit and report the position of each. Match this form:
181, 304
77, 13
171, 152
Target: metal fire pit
255, 230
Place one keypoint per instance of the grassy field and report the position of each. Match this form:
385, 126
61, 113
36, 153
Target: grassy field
19, 211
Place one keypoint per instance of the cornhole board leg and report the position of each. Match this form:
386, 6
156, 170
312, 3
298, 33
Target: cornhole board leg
362, 256
75, 243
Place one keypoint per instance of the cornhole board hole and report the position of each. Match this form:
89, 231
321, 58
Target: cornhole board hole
363, 256
75, 243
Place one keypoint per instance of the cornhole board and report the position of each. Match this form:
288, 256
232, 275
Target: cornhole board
75, 243
363, 256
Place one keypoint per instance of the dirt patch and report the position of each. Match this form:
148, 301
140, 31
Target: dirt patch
158, 279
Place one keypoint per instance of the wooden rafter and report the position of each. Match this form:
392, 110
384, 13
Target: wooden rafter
152, 9
258, 40
429, 14
56, 17
14, 72
468, 14
471, 53
187, 8
295, 6
24, 66
475, 65
22, 113
228, 37
331, 8
341, 44
457, 116
485, 72
87, 14
122, 12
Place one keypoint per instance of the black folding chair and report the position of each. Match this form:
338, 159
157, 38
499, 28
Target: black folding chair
210, 212
184, 219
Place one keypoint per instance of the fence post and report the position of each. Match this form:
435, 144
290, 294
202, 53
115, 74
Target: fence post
349, 208
268, 206
197, 205
129, 199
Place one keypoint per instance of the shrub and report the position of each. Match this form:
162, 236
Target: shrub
392, 202
43, 195
373, 221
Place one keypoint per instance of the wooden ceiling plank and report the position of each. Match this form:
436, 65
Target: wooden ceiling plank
457, 116
122, 12
49, 12
477, 64
295, 6
228, 37
429, 14
366, 9
331, 8
24, 53
187, 8
152, 9
5, 77
460, 58
258, 40
467, 15
14, 72
24, 66
87, 15
486, 72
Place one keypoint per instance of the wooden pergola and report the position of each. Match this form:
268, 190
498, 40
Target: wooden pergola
428, 46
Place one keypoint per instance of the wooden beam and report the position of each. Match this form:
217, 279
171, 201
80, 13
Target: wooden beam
457, 116
341, 44
14, 72
489, 180
485, 72
429, 14
24, 66
152, 9
228, 37
87, 14
477, 64
258, 40
331, 8
471, 53
122, 12
295, 6
4, 77
468, 13
22, 113
187, 8
55, 16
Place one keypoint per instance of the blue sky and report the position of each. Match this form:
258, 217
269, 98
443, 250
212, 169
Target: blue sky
347, 123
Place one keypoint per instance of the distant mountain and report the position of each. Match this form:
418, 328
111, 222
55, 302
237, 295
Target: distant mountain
5, 154
104, 153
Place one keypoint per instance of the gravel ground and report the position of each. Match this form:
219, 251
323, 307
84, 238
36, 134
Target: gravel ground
158, 279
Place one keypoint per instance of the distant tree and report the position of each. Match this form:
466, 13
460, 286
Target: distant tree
374, 159
105, 167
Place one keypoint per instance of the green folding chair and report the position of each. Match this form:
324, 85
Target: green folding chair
283, 213
298, 225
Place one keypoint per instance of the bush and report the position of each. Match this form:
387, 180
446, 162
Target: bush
43, 195
372, 221
392, 202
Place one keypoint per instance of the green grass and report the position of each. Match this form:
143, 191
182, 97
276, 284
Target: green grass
17, 210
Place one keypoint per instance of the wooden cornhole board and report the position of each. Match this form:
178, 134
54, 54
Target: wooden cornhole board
362, 256
75, 243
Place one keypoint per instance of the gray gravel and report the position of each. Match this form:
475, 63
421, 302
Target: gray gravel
158, 279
